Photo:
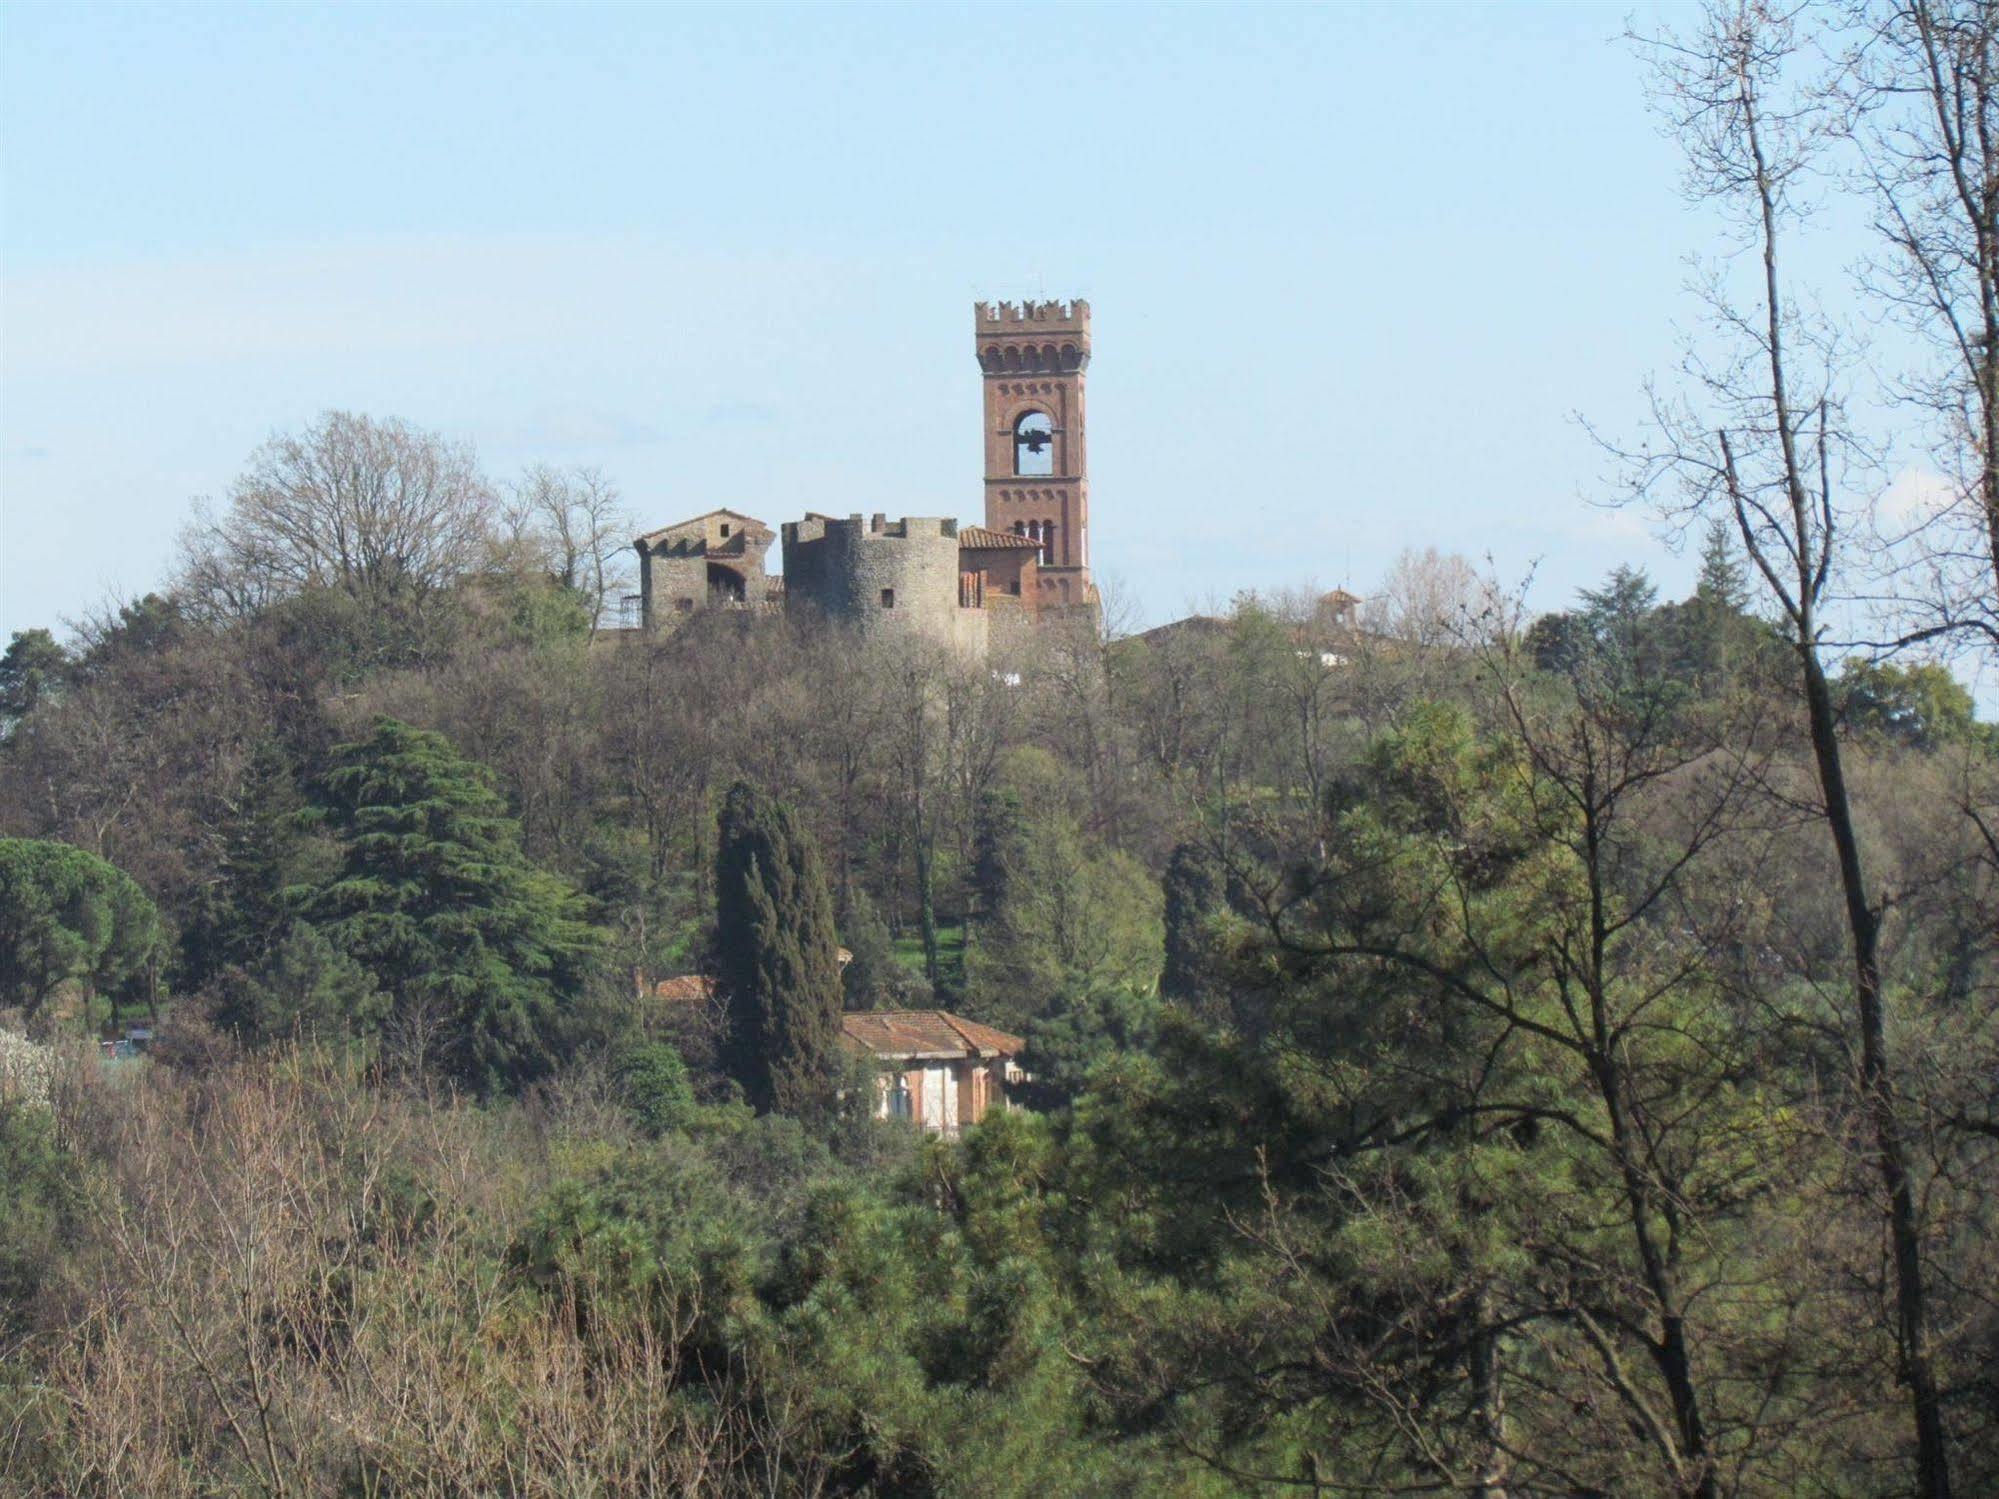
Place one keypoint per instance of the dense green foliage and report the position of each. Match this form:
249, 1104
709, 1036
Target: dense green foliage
304, 986
657, 1094
69, 918
1437, 1063
31, 669
1920, 706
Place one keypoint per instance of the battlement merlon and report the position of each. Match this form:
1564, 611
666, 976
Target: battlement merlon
869, 528
1031, 319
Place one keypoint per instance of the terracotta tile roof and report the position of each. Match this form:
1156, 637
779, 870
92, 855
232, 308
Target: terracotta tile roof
979, 538
925, 1033
687, 988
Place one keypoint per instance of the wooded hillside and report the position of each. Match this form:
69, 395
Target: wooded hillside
1469, 1052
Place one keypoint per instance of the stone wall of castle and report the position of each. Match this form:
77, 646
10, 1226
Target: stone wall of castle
883, 577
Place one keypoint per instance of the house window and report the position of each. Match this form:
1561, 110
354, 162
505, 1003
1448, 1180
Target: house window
898, 1099
888, 598
725, 528
683, 606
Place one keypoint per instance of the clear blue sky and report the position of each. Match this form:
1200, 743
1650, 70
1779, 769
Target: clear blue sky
1353, 270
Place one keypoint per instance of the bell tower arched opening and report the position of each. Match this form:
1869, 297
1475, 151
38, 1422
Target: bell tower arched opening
1033, 445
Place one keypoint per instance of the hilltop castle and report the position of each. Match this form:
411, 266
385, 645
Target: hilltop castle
963, 586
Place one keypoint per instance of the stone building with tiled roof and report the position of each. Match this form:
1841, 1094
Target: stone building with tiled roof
936, 1069
711, 560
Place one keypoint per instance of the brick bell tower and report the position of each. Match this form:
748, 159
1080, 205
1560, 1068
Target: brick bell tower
1033, 355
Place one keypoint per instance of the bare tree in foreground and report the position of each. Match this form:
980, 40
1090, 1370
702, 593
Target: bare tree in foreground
1762, 436
1923, 97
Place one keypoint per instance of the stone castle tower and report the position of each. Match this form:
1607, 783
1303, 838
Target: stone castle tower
1033, 355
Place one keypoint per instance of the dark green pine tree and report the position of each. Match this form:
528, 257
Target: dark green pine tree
242, 915
1616, 613
1722, 584
435, 898
776, 958
1710, 638
305, 987
68, 919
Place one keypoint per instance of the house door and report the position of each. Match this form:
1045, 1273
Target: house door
934, 1096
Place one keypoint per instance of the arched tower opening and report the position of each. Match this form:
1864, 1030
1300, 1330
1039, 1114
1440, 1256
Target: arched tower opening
1033, 445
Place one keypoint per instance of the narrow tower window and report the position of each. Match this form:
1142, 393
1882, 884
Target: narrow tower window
888, 598
1034, 444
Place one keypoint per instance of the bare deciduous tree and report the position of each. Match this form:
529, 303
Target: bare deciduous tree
1429, 598
1922, 80
377, 509
573, 524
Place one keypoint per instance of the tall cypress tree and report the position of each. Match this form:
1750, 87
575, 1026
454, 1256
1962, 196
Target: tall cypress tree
1193, 886
999, 852
777, 958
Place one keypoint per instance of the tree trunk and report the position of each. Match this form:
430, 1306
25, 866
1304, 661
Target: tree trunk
1878, 1090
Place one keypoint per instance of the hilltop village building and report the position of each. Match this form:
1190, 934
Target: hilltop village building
969, 587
